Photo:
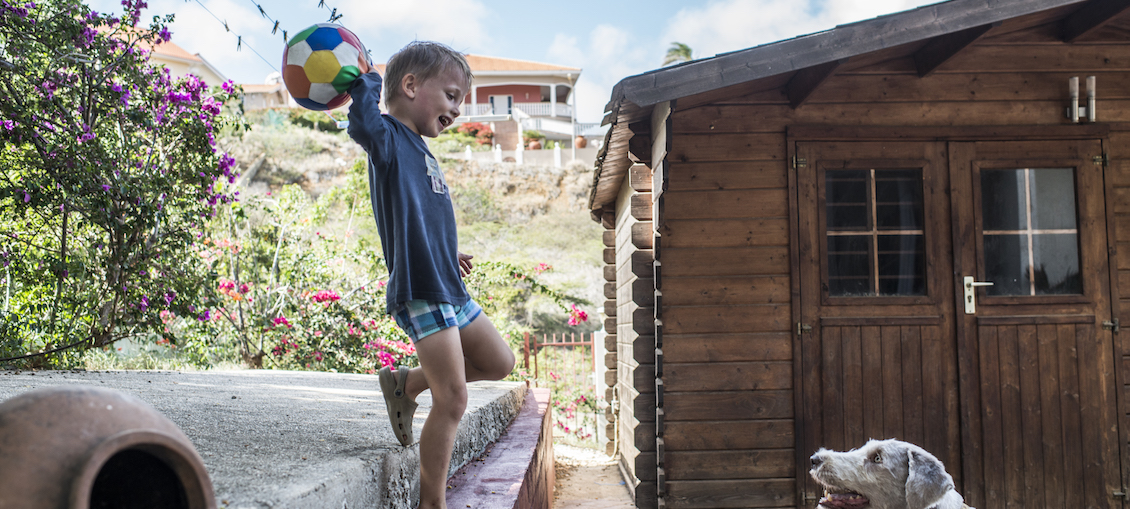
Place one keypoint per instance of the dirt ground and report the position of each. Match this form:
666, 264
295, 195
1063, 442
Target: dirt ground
587, 479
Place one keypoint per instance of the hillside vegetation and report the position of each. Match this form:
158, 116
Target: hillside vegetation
520, 214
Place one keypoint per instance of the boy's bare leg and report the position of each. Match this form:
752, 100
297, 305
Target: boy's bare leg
449, 359
487, 356
441, 358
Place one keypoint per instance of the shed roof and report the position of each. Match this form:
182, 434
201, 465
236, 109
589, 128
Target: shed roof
935, 32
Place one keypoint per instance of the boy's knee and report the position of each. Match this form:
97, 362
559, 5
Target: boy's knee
505, 366
450, 399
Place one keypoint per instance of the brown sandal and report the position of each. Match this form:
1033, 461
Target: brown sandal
400, 408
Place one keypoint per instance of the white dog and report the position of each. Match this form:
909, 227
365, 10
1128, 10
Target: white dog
884, 474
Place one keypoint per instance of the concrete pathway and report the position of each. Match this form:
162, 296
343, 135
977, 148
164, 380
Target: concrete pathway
588, 479
279, 439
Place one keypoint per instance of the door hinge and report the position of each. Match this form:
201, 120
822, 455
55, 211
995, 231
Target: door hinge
802, 328
1111, 325
1101, 160
799, 162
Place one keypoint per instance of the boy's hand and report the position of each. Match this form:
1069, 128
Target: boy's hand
363, 64
465, 264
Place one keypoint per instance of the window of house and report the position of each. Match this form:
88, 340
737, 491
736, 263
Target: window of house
874, 234
1029, 231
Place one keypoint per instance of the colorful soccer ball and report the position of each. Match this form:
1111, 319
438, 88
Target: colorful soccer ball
319, 65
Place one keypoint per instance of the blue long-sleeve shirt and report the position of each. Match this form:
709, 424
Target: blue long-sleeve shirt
411, 203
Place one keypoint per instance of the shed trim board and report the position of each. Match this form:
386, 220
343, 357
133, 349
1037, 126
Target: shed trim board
814, 206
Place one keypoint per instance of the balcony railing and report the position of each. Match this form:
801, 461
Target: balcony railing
530, 109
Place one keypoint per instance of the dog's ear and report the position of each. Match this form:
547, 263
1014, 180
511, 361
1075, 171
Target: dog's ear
926, 481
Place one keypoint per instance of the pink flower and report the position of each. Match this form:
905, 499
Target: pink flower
542, 267
324, 296
282, 321
577, 316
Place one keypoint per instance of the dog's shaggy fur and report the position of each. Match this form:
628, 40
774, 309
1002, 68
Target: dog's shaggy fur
884, 474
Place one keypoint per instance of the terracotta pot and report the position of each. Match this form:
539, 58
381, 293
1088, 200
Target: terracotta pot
92, 448
535, 145
580, 142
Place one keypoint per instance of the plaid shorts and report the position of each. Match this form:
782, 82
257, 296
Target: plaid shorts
420, 318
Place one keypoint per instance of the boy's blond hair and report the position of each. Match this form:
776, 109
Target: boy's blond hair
425, 60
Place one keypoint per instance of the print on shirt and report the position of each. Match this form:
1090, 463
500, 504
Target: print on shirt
439, 185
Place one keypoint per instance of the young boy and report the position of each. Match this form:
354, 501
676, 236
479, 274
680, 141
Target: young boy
456, 343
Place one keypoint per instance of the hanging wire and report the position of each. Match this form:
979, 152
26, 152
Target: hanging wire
334, 16
239, 38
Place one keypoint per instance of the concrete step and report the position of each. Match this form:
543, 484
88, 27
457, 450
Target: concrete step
281, 439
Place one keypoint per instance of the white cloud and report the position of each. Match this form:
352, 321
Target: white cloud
606, 56
729, 25
457, 23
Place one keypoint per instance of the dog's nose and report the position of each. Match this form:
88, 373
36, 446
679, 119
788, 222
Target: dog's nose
816, 460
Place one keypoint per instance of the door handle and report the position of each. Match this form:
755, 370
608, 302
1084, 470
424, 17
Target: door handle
971, 295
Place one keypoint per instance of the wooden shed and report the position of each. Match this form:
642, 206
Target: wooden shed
798, 235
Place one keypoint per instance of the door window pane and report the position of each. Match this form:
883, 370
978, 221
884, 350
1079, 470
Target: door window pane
1029, 231
875, 240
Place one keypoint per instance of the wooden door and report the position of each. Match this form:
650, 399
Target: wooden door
1040, 425
878, 354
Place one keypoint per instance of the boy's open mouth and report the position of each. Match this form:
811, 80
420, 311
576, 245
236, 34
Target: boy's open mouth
444, 121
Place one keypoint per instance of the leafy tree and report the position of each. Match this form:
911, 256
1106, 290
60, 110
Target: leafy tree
678, 52
108, 171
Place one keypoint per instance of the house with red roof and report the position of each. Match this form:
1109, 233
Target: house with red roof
181, 63
536, 96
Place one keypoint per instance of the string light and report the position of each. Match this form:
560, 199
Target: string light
334, 16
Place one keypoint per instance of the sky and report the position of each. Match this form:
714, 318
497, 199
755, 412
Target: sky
608, 39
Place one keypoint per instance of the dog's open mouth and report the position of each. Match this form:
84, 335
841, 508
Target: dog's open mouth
844, 500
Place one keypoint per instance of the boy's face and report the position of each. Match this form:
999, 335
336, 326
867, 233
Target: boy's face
433, 105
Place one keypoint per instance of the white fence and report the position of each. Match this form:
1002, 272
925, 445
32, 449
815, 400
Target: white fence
531, 109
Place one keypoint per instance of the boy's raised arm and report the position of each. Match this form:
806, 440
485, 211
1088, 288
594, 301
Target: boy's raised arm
366, 126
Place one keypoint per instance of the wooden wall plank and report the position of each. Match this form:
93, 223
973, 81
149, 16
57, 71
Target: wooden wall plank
731, 493
891, 345
735, 290
706, 319
1031, 414
871, 342
729, 435
724, 204
734, 464
764, 121
1051, 423
1040, 58
745, 146
728, 405
766, 346
725, 233
724, 261
727, 376
852, 342
1071, 411
728, 176
913, 367
1011, 414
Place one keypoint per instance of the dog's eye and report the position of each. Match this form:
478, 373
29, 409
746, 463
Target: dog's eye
878, 458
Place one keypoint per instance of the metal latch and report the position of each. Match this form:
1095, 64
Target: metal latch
1111, 325
1120, 494
971, 295
801, 328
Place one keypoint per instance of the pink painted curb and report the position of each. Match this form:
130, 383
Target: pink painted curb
515, 472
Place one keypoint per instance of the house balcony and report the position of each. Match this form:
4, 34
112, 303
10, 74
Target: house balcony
544, 109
